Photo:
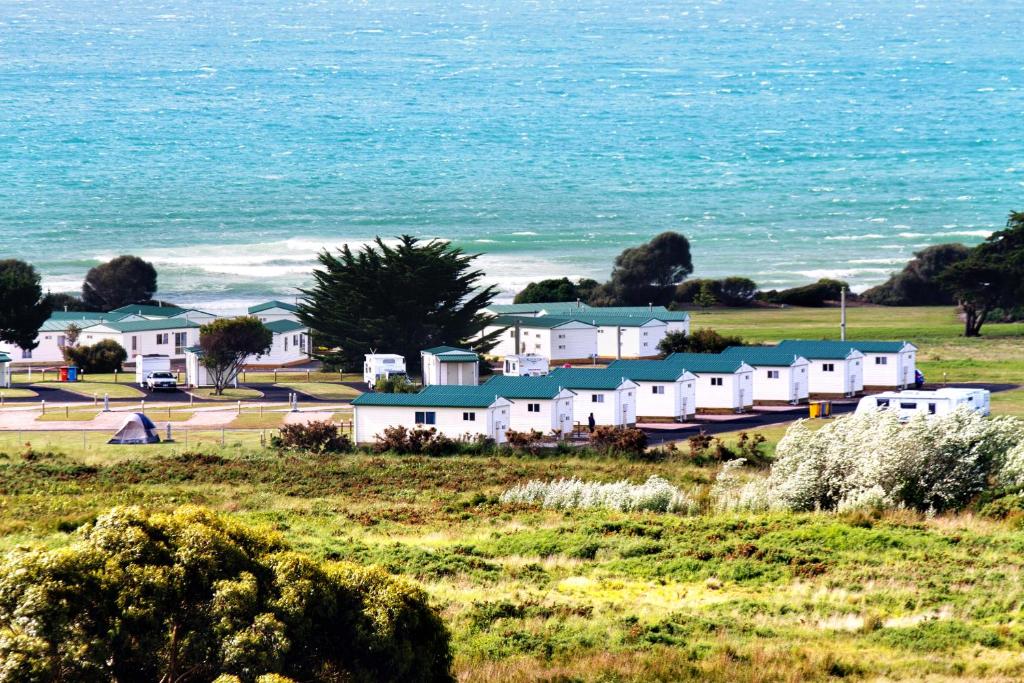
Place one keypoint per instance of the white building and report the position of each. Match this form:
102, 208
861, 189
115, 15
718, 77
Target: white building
940, 402
289, 346
536, 403
603, 393
627, 336
525, 365
664, 390
450, 365
271, 311
52, 338
887, 364
196, 375
537, 310
836, 368
559, 339
675, 321
723, 384
5, 371
458, 412
378, 365
161, 336
779, 377
160, 312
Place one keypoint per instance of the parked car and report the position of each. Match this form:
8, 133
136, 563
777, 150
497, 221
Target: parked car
160, 380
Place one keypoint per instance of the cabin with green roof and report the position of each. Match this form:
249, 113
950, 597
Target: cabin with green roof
836, 368
724, 385
458, 412
447, 365
556, 338
603, 393
780, 377
539, 403
274, 310
665, 392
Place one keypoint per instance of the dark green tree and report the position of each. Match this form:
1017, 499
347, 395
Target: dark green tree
560, 289
648, 273
190, 595
729, 291
227, 342
396, 299
992, 276
704, 340
62, 301
706, 296
105, 355
814, 295
916, 284
23, 308
119, 282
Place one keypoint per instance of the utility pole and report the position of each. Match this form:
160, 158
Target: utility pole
842, 314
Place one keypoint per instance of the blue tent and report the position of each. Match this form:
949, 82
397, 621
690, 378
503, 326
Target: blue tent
137, 429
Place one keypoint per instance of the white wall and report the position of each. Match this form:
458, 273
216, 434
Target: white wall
618, 407
437, 372
490, 422
561, 343
637, 342
678, 326
847, 378
48, 350
272, 314
897, 371
790, 385
735, 393
554, 414
678, 401
287, 348
145, 342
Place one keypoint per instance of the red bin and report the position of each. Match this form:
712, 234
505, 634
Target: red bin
63, 374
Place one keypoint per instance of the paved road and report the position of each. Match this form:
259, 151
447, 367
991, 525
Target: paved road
271, 394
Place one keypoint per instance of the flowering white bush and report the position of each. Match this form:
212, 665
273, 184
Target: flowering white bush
871, 459
656, 495
1012, 471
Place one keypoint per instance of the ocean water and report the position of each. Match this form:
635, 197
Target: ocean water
230, 142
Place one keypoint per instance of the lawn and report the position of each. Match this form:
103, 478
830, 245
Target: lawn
323, 390
68, 414
229, 394
298, 376
17, 393
255, 420
98, 389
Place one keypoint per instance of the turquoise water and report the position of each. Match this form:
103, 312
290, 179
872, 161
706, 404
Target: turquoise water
788, 140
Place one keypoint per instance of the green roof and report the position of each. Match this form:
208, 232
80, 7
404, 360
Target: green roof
60, 325
818, 349
274, 303
761, 355
149, 325
279, 326
545, 387
549, 308
81, 315
698, 363
607, 320
436, 396
543, 322
657, 312
452, 354
647, 370
582, 378
879, 346
148, 309
4, 358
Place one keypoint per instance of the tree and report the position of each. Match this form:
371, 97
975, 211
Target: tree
105, 355
814, 295
704, 340
62, 301
648, 273
71, 334
560, 289
189, 595
705, 297
227, 342
916, 284
23, 309
991, 276
122, 281
402, 299
730, 291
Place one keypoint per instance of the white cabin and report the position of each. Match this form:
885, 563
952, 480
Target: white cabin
559, 339
779, 377
939, 402
525, 365
537, 403
458, 412
836, 368
603, 393
289, 345
627, 337
144, 365
196, 375
888, 364
664, 391
161, 336
5, 371
271, 311
446, 365
723, 384
382, 365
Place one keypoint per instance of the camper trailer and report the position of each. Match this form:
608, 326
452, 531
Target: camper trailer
940, 402
147, 365
525, 365
382, 365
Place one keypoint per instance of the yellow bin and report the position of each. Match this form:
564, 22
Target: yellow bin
814, 408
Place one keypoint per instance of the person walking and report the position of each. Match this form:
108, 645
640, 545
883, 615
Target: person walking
591, 422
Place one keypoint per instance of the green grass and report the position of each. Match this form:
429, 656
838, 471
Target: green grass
298, 376
17, 393
74, 415
251, 420
324, 390
95, 388
230, 394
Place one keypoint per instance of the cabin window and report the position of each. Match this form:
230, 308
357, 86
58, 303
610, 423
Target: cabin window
426, 417
285, 340
512, 334
180, 342
645, 334
881, 360
533, 407
931, 408
135, 343
658, 389
162, 338
773, 374
717, 381
302, 342
597, 398
61, 341
536, 347
48, 337
908, 405
26, 353
561, 336
828, 367
561, 347
469, 417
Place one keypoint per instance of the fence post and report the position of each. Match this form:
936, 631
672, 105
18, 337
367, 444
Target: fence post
307, 374
44, 406
67, 412
275, 375
142, 406
170, 434
115, 376
106, 403
239, 407
221, 437
95, 399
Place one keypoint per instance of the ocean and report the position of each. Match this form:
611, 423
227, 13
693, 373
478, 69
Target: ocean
230, 142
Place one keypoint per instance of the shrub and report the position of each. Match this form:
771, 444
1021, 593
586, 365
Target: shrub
524, 442
318, 437
190, 596
103, 356
395, 384
872, 460
655, 495
417, 441
704, 340
628, 441
730, 291
816, 294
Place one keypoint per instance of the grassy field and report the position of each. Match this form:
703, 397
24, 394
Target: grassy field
98, 389
68, 414
533, 594
229, 394
324, 390
18, 393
